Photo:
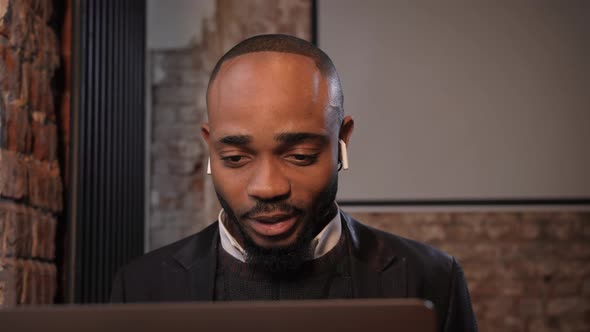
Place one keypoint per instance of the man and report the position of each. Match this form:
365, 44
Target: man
277, 138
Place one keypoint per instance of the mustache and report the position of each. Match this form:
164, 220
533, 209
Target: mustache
275, 207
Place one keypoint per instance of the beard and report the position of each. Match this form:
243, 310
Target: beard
285, 260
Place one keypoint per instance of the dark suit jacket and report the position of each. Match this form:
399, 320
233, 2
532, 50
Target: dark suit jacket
383, 266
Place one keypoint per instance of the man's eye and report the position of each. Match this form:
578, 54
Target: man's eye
234, 161
302, 159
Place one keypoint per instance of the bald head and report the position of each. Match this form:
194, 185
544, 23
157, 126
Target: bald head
285, 45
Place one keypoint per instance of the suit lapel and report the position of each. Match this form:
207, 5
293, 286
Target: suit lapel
376, 271
198, 259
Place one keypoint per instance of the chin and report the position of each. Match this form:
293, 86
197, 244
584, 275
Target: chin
276, 242
270, 244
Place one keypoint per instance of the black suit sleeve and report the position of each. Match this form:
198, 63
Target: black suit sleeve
118, 289
460, 316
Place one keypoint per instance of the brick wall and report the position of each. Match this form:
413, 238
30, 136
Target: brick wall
182, 198
527, 271
30, 180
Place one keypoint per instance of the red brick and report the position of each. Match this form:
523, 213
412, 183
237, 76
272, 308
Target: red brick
543, 325
21, 23
3, 289
536, 287
45, 186
25, 232
10, 241
496, 287
557, 230
40, 283
586, 287
3, 134
36, 89
530, 230
13, 175
37, 236
44, 141
27, 282
10, 71
51, 229
28, 290
20, 282
43, 236
4, 17
49, 56
31, 45
574, 304
48, 282
5, 236
531, 307
28, 82
566, 287
51, 283
19, 128
45, 10
64, 126
503, 226
3, 231
8, 280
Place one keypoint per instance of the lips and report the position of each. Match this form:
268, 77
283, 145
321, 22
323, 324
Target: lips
273, 225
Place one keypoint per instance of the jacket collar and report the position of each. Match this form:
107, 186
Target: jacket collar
376, 270
366, 246
199, 258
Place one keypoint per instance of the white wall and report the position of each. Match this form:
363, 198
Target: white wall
176, 23
463, 99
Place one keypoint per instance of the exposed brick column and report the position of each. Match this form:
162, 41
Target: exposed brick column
30, 181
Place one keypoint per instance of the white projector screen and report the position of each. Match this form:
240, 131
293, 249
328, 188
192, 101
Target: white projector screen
463, 100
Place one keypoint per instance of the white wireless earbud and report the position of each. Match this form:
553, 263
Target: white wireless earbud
209, 166
343, 154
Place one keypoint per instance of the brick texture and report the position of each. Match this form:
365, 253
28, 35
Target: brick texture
30, 177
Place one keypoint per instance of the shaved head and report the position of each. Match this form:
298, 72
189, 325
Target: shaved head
293, 45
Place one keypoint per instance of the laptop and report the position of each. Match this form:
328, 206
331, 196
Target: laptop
371, 315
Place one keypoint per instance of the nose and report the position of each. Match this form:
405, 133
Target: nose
269, 183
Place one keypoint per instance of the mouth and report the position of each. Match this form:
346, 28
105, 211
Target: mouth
273, 225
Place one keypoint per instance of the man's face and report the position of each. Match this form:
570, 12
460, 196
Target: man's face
274, 147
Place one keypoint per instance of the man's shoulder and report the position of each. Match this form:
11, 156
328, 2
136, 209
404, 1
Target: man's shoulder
418, 256
422, 271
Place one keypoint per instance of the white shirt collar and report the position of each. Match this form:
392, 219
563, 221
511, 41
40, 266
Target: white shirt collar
325, 241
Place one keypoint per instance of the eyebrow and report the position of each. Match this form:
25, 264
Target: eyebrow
295, 138
236, 140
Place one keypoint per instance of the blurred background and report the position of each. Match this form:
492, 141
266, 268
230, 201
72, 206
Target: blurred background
472, 133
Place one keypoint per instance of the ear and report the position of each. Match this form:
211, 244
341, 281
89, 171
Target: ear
346, 129
205, 135
205, 132
343, 138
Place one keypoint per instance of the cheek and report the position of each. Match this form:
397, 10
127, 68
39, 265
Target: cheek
231, 188
309, 184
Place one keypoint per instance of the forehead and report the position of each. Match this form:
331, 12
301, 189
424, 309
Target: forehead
263, 91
